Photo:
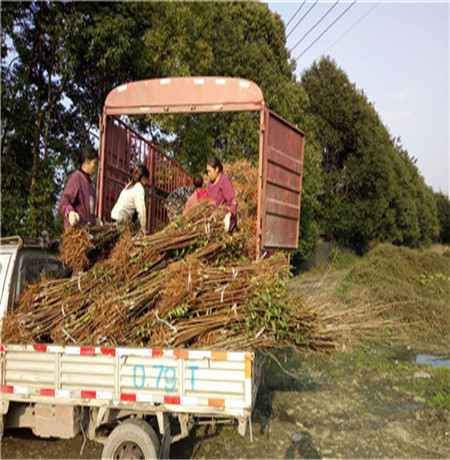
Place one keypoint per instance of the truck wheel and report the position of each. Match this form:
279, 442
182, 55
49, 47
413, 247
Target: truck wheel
132, 439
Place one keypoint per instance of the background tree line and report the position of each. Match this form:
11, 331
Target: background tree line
61, 59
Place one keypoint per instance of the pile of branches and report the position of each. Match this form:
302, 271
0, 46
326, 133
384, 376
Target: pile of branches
186, 286
244, 178
82, 247
189, 285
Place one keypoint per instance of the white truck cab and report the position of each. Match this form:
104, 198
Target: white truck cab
24, 260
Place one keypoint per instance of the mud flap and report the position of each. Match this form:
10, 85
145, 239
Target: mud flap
242, 426
164, 429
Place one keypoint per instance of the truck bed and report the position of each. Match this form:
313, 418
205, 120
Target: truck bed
207, 383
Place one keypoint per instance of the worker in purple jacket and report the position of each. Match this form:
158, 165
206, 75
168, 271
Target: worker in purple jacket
78, 202
221, 192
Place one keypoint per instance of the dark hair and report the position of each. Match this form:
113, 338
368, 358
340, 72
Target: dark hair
214, 162
198, 181
87, 152
140, 172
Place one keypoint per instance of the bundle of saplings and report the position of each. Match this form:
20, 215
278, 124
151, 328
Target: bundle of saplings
191, 285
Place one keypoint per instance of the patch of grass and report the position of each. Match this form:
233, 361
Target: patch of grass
375, 358
436, 390
345, 259
341, 288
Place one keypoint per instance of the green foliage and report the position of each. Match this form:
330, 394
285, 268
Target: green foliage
372, 189
310, 205
270, 298
36, 63
443, 213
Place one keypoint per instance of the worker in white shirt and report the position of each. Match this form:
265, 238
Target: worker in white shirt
132, 199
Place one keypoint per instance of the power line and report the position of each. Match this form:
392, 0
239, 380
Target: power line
301, 19
354, 25
313, 27
295, 14
328, 28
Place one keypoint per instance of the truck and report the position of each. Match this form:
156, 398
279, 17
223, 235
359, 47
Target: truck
138, 401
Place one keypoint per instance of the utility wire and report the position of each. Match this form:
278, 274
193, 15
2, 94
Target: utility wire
285, 28
354, 25
328, 28
313, 27
301, 19
295, 14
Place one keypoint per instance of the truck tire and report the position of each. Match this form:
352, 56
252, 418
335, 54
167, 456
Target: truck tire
132, 439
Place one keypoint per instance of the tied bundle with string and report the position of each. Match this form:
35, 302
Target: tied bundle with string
184, 286
81, 247
55, 309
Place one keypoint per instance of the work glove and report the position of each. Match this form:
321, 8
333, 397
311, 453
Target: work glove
227, 222
74, 218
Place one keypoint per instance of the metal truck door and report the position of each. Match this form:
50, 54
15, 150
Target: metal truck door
280, 183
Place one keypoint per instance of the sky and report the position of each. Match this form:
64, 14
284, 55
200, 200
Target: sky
398, 54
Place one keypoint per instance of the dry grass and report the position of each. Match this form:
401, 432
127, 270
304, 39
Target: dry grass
416, 285
399, 293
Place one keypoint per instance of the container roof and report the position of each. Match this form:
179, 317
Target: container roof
184, 95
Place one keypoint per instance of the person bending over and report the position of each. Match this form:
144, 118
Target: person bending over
132, 199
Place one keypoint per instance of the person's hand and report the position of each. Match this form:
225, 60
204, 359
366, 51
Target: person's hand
227, 222
74, 218
98, 221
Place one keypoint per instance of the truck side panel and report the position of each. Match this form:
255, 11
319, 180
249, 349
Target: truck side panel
280, 185
216, 383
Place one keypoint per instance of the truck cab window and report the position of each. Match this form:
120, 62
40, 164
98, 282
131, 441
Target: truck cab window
33, 269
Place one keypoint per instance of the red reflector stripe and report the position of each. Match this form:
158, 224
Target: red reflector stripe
127, 396
171, 399
157, 352
40, 348
7, 389
47, 392
87, 351
88, 394
108, 351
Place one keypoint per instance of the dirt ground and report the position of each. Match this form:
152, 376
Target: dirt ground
369, 402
